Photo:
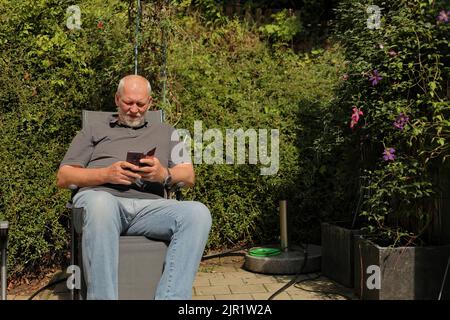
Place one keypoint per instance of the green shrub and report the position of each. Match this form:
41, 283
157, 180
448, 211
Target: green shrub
283, 29
229, 79
49, 73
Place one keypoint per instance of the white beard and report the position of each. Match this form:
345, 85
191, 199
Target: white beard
133, 123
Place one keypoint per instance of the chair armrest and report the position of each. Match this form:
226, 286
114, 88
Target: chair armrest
176, 190
73, 189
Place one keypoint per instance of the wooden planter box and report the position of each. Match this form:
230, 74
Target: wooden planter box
406, 273
337, 253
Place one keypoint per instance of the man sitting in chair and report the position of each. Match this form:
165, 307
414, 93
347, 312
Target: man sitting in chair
117, 196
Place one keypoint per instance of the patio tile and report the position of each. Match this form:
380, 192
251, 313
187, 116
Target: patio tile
265, 296
242, 296
251, 288
212, 290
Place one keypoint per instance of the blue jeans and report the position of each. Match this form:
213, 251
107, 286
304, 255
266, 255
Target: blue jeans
185, 224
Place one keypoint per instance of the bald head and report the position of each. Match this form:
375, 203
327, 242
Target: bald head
133, 82
133, 99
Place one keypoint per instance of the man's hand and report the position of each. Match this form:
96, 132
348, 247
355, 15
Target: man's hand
120, 173
154, 171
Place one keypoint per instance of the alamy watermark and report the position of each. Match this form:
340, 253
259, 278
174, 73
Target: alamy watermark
74, 280
229, 146
374, 279
74, 17
374, 20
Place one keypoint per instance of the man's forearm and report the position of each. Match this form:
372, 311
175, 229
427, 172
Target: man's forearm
86, 177
183, 173
80, 177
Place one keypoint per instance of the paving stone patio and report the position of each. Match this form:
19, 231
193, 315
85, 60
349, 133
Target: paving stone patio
225, 279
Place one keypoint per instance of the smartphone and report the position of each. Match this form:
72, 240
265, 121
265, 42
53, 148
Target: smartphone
134, 157
151, 153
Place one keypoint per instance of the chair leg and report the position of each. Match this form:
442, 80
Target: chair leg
3, 273
74, 292
4, 226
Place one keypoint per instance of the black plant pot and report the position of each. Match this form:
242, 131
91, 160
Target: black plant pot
337, 252
405, 273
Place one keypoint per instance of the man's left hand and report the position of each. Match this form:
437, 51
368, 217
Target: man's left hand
154, 171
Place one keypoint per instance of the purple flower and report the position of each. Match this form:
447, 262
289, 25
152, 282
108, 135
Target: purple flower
443, 16
375, 77
388, 154
401, 121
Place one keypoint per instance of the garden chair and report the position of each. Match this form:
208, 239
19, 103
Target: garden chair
141, 260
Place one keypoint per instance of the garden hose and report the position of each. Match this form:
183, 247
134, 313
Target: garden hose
264, 252
50, 284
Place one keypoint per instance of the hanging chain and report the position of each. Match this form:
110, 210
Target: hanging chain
164, 50
163, 45
136, 40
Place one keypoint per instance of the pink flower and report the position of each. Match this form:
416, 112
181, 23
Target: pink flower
392, 53
355, 116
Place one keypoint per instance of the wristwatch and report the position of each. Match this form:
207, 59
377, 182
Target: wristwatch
168, 179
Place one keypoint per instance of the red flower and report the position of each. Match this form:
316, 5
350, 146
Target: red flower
100, 25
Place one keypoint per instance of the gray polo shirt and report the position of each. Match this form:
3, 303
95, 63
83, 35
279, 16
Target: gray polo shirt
101, 144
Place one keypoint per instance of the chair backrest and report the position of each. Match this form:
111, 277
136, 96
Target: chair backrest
152, 116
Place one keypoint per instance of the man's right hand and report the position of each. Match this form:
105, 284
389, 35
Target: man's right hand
121, 173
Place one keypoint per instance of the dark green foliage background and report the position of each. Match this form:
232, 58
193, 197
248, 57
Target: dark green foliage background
231, 74
223, 75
